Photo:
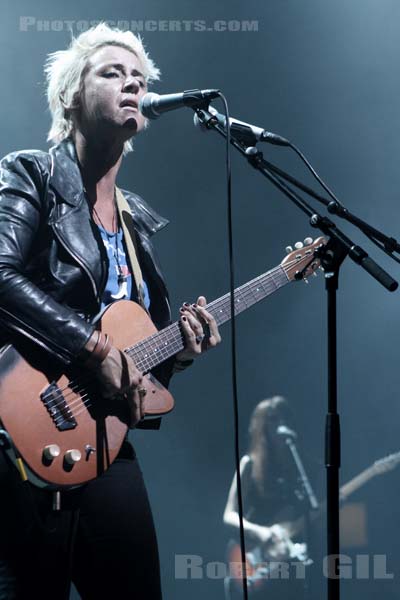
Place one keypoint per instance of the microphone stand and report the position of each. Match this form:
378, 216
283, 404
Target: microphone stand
312, 502
331, 255
305, 482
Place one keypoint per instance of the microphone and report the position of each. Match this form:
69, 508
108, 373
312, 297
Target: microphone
153, 105
249, 134
285, 431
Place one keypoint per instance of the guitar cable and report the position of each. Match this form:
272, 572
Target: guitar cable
233, 346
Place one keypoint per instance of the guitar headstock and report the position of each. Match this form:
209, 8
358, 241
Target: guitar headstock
386, 464
303, 261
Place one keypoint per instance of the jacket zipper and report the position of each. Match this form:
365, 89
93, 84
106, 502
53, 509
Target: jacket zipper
78, 260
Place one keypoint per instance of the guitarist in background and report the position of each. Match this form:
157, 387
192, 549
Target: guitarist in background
272, 501
64, 255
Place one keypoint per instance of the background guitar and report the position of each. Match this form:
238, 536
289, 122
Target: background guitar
283, 547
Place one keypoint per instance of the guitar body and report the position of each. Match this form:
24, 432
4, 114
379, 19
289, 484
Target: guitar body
255, 581
57, 421
262, 561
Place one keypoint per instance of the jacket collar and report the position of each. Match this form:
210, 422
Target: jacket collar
65, 175
66, 179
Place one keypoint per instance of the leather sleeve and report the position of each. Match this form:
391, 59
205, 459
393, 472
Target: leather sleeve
24, 308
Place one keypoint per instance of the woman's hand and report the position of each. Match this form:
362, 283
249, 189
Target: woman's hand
119, 378
263, 533
199, 329
276, 534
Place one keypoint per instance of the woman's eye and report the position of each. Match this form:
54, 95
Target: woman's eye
111, 74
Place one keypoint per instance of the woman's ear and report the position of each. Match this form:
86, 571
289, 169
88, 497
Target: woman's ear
74, 104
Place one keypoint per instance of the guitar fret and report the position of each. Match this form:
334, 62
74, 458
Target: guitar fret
263, 285
152, 351
157, 348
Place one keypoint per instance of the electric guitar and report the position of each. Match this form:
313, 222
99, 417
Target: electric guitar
262, 559
56, 424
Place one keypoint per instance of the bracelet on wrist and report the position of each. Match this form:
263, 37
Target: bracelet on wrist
100, 350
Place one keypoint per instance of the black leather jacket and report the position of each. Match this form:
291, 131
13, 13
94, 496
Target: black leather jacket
53, 265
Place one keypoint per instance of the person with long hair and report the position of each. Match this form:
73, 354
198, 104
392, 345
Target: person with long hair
272, 505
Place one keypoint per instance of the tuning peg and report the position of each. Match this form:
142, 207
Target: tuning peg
305, 280
299, 245
308, 241
289, 249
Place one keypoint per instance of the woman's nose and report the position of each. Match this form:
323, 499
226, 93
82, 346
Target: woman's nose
131, 84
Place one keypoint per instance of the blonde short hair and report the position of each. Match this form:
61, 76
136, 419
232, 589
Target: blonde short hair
64, 71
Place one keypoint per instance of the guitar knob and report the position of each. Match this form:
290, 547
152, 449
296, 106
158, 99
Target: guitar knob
289, 249
308, 241
72, 456
298, 245
51, 452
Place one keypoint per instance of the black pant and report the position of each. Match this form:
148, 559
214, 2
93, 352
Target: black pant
103, 539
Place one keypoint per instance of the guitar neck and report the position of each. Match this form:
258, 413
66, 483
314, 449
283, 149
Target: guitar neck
348, 488
344, 492
153, 350
358, 481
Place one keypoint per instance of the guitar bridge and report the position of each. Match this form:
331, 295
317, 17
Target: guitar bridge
57, 407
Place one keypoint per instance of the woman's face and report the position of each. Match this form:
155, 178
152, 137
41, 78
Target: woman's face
112, 87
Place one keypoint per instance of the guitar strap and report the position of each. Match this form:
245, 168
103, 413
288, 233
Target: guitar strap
128, 228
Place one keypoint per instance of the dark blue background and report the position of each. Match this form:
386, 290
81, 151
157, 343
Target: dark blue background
326, 75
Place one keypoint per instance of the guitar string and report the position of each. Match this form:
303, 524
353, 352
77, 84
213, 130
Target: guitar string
137, 346
173, 339
247, 293
72, 407
80, 399
212, 304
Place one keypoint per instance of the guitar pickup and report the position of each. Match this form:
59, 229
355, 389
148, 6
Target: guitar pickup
57, 407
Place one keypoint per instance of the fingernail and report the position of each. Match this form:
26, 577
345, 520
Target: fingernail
194, 305
186, 304
184, 319
182, 309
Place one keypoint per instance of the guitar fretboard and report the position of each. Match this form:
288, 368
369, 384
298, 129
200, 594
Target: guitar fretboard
357, 482
152, 351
